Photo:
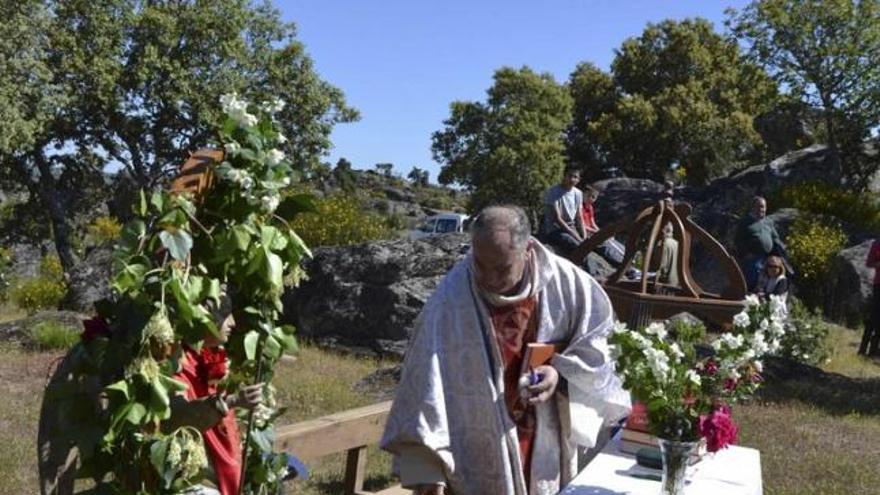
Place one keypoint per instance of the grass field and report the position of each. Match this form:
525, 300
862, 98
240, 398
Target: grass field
817, 432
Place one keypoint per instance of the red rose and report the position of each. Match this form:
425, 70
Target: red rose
718, 428
729, 384
93, 328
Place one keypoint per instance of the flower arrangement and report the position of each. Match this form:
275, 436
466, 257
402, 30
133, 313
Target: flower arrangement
688, 390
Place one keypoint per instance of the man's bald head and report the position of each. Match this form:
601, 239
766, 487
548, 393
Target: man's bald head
500, 236
510, 219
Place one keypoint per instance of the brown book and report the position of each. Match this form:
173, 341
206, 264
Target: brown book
638, 436
537, 354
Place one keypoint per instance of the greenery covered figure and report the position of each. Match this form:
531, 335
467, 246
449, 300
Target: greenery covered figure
171, 265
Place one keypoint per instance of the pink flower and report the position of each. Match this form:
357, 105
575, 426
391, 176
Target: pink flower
729, 385
718, 428
711, 367
757, 378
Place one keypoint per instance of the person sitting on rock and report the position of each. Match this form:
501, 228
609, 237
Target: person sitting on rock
611, 250
772, 281
563, 226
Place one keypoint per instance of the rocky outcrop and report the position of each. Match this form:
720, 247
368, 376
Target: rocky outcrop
851, 283
369, 295
89, 280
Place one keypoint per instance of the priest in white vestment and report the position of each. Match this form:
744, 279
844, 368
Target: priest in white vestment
464, 420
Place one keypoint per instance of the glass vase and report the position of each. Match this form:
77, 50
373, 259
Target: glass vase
676, 456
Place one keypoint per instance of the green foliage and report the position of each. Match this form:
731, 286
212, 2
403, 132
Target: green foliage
103, 230
170, 266
5, 264
860, 210
679, 93
45, 291
812, 243
806, 338
825, 54
340, 220
508, 149
53, 335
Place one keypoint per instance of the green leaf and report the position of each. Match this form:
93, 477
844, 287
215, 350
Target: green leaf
143, 208
195, 286
121, 386
184, 306
157, 454
172, 385
291, 206
158, 201
136, 413
298, 245
250, 344
241, 237
274, 270
272, 349
159, 401
285, 336
178, 243
130, 277
272, 238
212, 291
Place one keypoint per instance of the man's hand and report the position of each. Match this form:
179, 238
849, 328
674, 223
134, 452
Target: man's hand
248, 397
429, 490
543, 390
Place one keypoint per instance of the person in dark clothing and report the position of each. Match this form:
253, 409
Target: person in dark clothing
772, 281
870, 345
756, 239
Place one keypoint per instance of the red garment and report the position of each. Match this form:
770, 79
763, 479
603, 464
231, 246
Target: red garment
589, 216
515, 326
874, 257
200, 372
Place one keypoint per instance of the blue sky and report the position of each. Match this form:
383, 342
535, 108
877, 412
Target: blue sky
401, 63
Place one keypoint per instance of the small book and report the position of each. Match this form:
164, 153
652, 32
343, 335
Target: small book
537, 354
638, 436
638, 418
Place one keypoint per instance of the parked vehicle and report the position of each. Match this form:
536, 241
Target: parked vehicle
443, 223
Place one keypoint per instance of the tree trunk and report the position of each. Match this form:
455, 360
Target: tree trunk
50, 197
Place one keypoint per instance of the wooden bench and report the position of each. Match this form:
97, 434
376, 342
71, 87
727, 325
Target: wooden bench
350, 431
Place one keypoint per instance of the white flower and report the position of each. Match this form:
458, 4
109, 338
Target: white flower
619, 327
777, 306
285, 181
759, 366
777, 329
269, 203
741, 319
759, 345
232, 147
748, 355
676, 351
274, 157
733, 374
247, 182
281, 138
657, 329
730, 340
752, 300
764, 325
273, 106
658, 361
693, 377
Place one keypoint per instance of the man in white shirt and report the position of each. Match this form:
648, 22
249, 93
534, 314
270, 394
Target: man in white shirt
563, 226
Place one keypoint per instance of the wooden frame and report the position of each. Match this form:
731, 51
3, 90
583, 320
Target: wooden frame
639, 302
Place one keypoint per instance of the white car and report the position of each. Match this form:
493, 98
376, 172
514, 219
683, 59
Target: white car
444, 223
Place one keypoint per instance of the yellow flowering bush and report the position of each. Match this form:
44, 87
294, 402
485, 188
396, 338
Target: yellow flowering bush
103, 230
812, 243
340, 221
44, 291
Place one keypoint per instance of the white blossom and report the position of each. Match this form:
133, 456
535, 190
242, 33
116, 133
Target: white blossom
759, 366
269, 202
752, 300
676, 351
274, 157
657, 329
232, 147
281, 138
247, 182
619, 327
693, 377
741, 319
731, 341
759, 345
273, 106
285, 181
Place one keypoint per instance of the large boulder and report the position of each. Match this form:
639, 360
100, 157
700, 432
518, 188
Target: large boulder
851, 282
89, 280
369, 295
19, 331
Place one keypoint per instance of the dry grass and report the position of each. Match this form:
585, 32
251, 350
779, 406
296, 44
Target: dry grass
817, 431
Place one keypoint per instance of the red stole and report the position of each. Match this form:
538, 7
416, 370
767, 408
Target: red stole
201, 371
515, 326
